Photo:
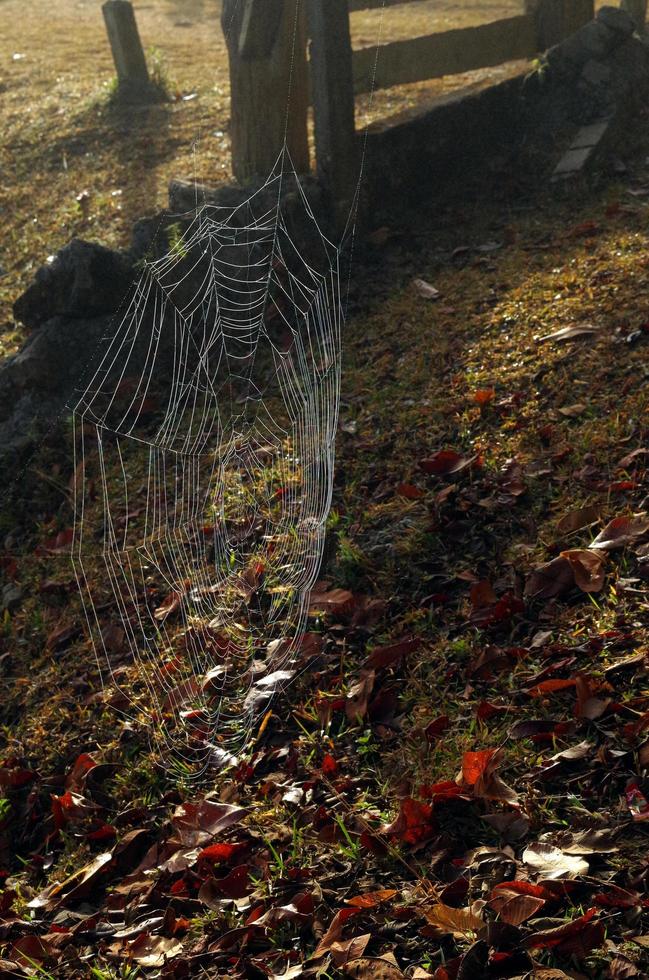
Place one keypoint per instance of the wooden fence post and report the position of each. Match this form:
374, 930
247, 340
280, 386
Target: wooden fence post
128, 55
332, 87
557, 19
268, 84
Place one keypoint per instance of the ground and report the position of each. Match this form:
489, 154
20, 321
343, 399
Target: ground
457, 784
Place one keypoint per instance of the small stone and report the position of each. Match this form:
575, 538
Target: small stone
11, 597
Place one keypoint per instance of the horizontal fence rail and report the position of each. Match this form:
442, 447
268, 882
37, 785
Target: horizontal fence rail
465, 49
447, 53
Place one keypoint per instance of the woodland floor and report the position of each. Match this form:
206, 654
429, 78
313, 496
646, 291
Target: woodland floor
457, 786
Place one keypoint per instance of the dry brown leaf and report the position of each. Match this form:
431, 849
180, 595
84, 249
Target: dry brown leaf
577, 519
460, 923
622, 531
589, 841
587, 567
514, 908
548, 861
373, 968
73, 887
425, 290
550, 580
572, 411
573, 332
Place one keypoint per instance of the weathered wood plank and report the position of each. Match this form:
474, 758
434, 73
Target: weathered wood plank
446, 53
332, 94
374, 4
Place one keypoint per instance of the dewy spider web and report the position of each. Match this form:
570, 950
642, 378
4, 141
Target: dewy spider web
204, 470
204, 455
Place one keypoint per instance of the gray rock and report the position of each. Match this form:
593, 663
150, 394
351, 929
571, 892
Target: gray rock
55, 358
83, 280
596, 73
617, 20
11, 597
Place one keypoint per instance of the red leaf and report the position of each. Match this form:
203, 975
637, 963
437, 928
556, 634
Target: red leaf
474, 765
76, 777
329, 765
371, 899
387, 656
413, 824
334, 932
484, 396
636, 800
437, 727
479, 772
445, 462
236, 884
577, 937
216, 853
410, 492
551, 686
103, 833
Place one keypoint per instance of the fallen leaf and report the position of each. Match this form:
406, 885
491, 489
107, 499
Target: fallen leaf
410, 492
435, 728
198, 823
484, 396
550, 580
548, 861
358, 696
577, 937
446, 462
632, 457
578, 519
636, 800
587, 567
573, 332
370, 899
460, 923
388, 656
337, 602
413, 824
373, 968
622, 531
479, 772
514, 907
425, 290
150, 951
74, 888
344, 952
334, 932
572, 411
169, 605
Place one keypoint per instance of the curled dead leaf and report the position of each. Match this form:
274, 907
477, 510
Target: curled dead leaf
460, 923
622, 531
548, 861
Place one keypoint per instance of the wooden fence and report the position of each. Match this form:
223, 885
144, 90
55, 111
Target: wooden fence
334, 73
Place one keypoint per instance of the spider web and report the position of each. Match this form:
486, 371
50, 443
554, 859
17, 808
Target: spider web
204, 454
